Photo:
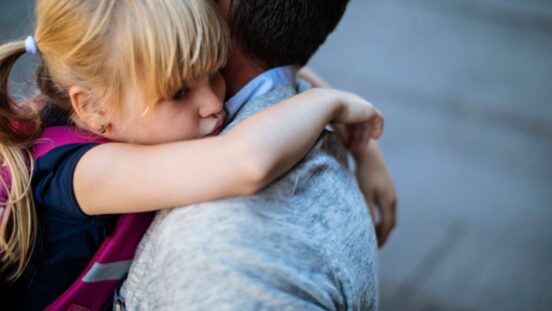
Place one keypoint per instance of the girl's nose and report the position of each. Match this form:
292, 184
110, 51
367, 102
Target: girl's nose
209, 103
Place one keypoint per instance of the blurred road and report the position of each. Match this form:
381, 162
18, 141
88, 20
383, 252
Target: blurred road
466, 88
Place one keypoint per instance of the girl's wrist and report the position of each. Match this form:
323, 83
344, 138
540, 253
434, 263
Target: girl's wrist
326, 101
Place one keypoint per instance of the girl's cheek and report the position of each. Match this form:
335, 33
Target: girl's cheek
219, 86
190, 128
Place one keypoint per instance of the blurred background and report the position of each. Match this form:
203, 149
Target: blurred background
466, 89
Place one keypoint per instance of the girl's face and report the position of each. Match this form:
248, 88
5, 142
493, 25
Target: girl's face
192, 113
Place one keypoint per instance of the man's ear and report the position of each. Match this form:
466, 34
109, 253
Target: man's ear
86, 109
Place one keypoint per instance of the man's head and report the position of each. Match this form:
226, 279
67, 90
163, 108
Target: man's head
274, 33
283, 32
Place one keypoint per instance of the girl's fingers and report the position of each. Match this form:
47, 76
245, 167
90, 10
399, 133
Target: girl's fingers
355, 136
377, 126
366, 130
372, 209
369, 130
360, 135
370, 126
388, 219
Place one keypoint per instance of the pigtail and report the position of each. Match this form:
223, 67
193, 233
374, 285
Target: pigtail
19, 125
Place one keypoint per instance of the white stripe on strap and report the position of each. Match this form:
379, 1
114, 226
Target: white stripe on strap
107, 271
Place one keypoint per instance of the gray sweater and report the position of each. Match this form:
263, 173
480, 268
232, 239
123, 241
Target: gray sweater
306, 242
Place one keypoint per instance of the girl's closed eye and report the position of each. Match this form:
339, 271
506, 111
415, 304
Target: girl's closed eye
181, 93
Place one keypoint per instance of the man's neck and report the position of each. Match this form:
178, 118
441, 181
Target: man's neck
240, 70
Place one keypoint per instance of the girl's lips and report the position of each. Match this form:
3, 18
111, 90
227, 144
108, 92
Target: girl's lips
218, 126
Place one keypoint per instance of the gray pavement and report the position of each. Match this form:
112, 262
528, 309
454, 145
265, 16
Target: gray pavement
465, 86
466, 90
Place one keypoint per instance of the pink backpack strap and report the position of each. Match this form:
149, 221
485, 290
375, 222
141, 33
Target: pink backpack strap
109, 266
56, 136
111, 262
51, 138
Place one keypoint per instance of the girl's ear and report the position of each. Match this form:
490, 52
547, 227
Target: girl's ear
86, 109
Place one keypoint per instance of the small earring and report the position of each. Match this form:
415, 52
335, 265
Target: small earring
102, 129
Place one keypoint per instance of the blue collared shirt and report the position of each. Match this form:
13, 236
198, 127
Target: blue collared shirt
262, 84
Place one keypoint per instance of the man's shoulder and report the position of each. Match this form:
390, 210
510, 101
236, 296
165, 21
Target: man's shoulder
308, 214
319, 184
325, 166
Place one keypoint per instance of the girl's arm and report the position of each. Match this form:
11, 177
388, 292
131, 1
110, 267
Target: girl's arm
123, 178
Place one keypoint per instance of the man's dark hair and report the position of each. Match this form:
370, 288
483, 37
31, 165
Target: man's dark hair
283, 32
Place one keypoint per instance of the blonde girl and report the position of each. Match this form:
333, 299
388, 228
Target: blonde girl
142, 74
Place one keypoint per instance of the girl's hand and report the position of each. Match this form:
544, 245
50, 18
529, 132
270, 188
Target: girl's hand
362, 121
378, 189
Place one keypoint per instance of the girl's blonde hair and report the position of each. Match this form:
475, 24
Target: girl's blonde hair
105, 46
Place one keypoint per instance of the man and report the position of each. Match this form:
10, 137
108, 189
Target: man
307, 241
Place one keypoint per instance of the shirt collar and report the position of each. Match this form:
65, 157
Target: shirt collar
260, 85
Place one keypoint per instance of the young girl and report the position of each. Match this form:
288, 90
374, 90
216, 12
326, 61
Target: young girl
142, 75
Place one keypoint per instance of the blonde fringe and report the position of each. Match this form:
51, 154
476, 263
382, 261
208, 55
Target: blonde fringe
191, 41
156, 45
